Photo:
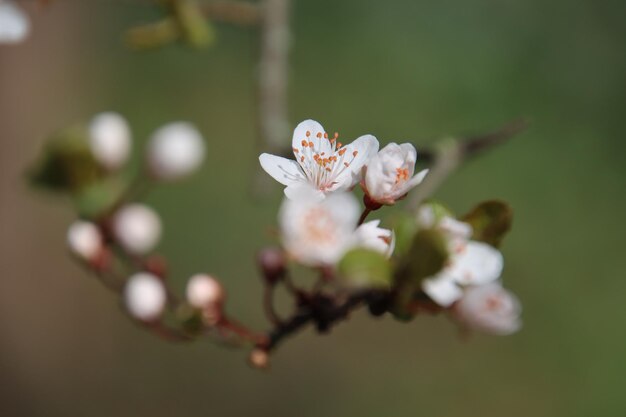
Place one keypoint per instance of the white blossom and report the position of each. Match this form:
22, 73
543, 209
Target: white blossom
145, 296
318, 232
370, 236
389, 173
204, 291
175, 150
489, 308
137, 228
470, 262
110, 139
14, 23
322, 162
84, 239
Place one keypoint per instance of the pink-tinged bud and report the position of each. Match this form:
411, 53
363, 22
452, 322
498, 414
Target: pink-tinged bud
175, 150
14, 23
272, 263
145, 296
205, 292
110, 139
137, 228
259, 359
85, 240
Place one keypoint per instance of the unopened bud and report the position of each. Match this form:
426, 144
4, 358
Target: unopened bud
137, 228
175, 150
14, 23
109, 139
204, 291
272, 263
84, 240
145, 296
259, 358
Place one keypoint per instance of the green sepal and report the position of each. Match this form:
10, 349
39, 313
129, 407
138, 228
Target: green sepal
365, 268
490, 220
427, 255
404, 226
66, 163
95, 199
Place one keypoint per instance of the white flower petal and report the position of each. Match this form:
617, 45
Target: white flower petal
489, 308
318, 232
358, 155
285, 171
477, 264
370, 236
110, 139
315, 135
442, 290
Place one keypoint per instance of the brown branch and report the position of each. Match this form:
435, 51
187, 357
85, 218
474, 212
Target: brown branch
322, 311
450, 154
234, 12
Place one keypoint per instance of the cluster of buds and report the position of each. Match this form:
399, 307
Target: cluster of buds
427, 260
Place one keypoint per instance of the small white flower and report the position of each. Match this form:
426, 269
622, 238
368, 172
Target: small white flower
14, 23
145, 296
175, 150
137, 228
389, 173
109, 139
318, 232
84, 239
370, 236
489, 308
322, 162
470, 262
204, 291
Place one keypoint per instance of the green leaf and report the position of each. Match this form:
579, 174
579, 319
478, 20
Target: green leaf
404, 227
427, 256
66, 164
364, 268
491, 220
195, 28
153, 35
95, 199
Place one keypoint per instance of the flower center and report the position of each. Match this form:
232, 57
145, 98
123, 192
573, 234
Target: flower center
402, 174
319, 226
323, 164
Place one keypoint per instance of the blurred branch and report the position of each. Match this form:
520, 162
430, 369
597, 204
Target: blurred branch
238, 13
450, 154
273, 74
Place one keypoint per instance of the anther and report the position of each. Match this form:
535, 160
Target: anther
308, 133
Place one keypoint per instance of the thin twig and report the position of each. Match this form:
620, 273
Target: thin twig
273, 74
450, 154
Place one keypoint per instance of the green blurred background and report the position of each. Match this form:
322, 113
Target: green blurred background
402, 70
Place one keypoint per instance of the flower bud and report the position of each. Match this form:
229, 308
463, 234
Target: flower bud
14, 23
204, 291
175, 150
145, 297
272, 263
109, 139
137, 228
489, 308
389, 174
84, 240
259, 359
